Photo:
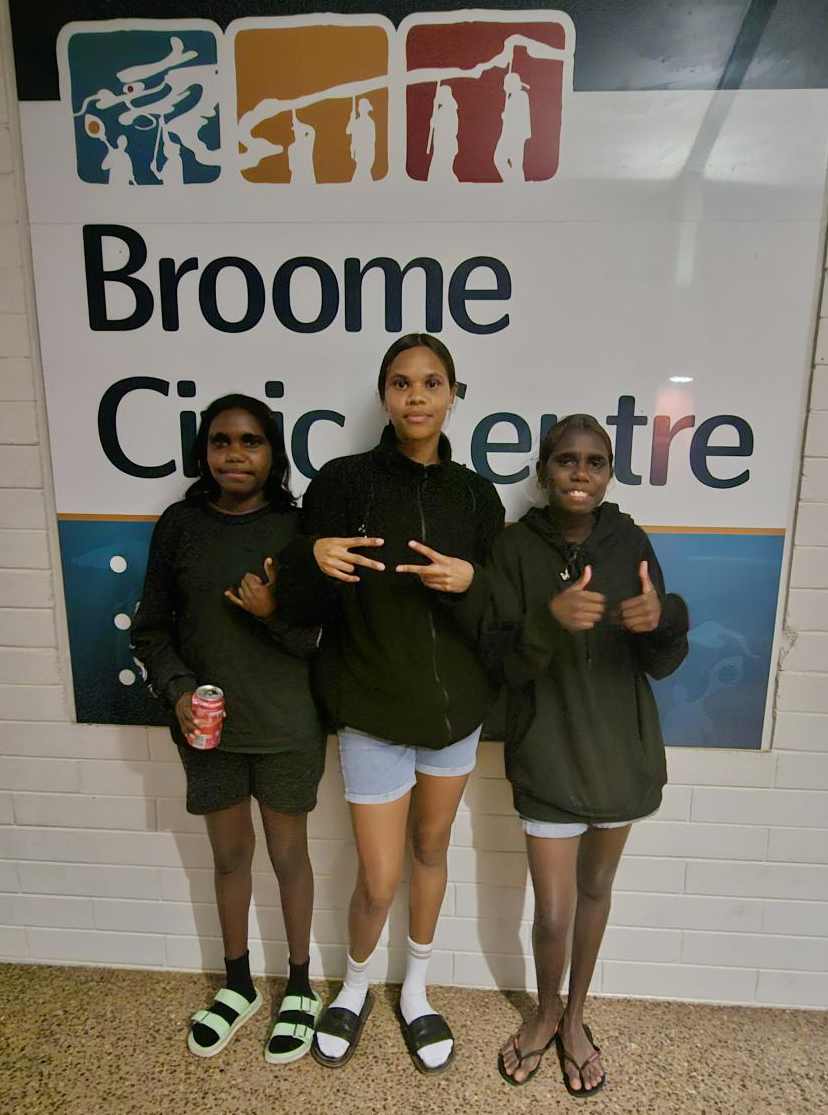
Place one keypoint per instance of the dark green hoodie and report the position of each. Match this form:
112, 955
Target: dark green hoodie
583, 740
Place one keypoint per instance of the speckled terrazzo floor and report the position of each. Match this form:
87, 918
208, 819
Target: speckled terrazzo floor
94, 1041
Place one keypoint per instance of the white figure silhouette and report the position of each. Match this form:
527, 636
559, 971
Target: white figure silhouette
442, 136
118, 164
172, 172
363, 132
300, 153
516, 129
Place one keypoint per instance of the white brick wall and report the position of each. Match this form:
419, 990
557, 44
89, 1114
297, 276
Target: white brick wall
723, 897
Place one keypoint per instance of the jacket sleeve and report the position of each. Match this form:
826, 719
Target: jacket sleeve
661, 652
519, 636
154, 638
304, 595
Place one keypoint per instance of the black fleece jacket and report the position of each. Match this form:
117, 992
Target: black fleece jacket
393, 662
583, 739
187, 633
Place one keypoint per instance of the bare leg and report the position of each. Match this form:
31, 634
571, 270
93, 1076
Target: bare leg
233, 841
434, 802
552, 865
379, 831
598, 860
287, 846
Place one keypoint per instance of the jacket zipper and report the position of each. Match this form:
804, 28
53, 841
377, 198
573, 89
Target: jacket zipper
437, 677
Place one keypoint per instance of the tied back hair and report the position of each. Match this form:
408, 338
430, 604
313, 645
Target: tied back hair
277, 486
416, 340
564, 426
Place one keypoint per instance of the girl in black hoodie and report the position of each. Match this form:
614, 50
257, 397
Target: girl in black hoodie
578, 618
396, 540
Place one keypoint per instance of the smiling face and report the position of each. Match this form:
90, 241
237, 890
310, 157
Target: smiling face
577, 473
417, 394
239, 457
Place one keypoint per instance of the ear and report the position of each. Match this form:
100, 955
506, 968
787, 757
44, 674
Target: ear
540, 472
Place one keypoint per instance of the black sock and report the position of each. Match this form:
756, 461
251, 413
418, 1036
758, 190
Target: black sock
238, 976
238, 979
298, 982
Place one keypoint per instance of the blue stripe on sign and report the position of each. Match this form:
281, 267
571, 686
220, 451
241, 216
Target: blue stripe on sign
715, 699
647, 44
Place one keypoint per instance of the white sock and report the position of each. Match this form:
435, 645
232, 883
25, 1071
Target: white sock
351, 997
414, 1003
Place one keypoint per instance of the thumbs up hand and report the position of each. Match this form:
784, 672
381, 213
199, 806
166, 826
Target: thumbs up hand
642, 613
254, 594
577, 609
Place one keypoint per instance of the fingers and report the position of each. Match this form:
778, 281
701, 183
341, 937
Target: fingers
358, 559
425, 550
235, 599
339, 573
644, 576
584, 579
417, 570
348, 543
270, 571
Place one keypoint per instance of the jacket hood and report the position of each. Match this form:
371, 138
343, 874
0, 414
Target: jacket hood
611, 524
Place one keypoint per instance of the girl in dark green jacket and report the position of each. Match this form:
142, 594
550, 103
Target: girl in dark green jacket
578, 618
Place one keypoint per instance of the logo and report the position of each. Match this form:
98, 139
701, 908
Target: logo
145, 105
312, 102
484, 98
319, 99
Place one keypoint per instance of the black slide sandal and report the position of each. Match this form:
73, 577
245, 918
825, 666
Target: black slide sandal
341, 1023
428, 1029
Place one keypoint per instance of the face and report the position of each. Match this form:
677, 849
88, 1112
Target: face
417, 394
238, 454
577, 473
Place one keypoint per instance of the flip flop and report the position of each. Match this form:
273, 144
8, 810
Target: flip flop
564, 1056
426, 1030
296, 1018
507, 1076
235, 1011
341, 1023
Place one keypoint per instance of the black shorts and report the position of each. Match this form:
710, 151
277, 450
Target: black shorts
286, 781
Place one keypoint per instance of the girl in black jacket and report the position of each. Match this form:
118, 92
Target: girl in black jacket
397, 537
579, 617
192, 629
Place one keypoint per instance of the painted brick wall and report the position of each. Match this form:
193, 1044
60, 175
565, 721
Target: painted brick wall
723, 898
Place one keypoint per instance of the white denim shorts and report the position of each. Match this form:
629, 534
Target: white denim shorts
554, 830
376, 771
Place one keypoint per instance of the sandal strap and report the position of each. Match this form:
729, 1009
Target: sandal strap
296, 1030
213, 1021
428, 1029
339, 1022
299, 1003
232, 999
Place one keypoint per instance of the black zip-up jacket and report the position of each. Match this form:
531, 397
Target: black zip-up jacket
393, 661
583, 739
187, 633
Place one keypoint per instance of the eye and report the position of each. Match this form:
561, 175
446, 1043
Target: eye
399, 383
218, 439
597, 462
252, 439
434, 382
564, 459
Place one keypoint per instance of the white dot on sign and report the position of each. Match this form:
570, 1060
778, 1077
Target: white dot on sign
117, 564
126, 677
122, 621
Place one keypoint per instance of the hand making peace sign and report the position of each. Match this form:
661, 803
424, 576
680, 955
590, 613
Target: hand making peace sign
445, 574
334, 557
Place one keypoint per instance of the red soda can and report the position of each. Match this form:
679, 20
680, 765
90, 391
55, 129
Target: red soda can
208, 709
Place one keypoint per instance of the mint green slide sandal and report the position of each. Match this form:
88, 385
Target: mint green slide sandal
296, 1019
236, 1011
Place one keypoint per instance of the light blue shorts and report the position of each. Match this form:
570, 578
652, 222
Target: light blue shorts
554, 830
377, 771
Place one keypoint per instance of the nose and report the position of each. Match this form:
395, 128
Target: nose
579, 471
416, 394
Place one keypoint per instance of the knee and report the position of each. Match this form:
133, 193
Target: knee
552, 923
429, 845
377, 891
236, 857
596, 885
289, 860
